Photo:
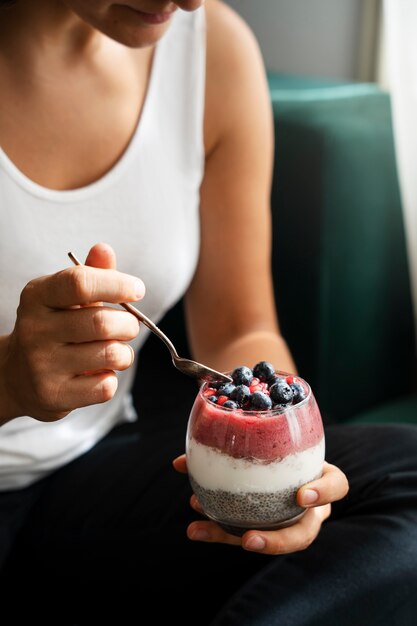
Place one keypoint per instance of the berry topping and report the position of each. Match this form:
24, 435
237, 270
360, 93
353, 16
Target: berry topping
298, 392
279, 407
242, 375
229, 404
260, 401
271, 381
281, 392
241, 395
256, 386
226, 389
263, 370
260, 389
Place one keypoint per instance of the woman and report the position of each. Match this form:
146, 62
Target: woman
147, 125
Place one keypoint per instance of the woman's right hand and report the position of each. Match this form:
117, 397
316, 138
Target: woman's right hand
66, 346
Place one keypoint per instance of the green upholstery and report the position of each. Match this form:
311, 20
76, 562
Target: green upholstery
339, 255
403, 410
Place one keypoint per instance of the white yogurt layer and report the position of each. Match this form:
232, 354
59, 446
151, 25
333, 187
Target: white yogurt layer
212, 469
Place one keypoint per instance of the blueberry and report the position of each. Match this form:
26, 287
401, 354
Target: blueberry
260, 401
298, 392
281, 392
279, 407
242, 375
263, 370
272, 380
226, 389
229, 404
212, 399
241, 395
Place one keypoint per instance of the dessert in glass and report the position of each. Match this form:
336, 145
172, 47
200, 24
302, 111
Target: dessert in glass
251, 445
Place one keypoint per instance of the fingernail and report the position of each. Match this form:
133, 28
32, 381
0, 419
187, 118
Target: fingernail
256, 542
199, 535
309, 496
139, 289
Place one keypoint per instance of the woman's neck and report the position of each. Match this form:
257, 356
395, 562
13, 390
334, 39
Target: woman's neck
45, 28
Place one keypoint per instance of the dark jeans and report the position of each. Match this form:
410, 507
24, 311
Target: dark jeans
105, 538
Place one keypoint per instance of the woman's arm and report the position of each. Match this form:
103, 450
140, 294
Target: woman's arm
230, 306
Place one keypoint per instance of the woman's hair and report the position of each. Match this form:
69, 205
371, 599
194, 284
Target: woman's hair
5, 3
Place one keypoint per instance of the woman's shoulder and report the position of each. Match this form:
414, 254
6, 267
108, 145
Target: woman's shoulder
225, 27
234, 66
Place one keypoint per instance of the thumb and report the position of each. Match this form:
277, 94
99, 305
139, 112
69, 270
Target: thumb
101, 255
180, 464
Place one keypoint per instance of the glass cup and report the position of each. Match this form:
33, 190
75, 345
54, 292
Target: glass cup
245, 467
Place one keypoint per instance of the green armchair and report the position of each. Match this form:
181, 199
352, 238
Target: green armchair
339, 254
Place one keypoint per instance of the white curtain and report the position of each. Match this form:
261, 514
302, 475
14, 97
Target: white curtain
400, 37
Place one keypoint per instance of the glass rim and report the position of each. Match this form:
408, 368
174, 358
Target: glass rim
269, 412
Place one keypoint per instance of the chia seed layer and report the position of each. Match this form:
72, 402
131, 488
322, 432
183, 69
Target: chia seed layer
238, 512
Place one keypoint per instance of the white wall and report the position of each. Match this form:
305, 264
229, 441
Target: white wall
400, 21
307, 37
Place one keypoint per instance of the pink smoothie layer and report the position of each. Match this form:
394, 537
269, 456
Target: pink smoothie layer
257, 435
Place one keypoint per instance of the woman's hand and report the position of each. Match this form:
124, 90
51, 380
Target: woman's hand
66, 346
315, 496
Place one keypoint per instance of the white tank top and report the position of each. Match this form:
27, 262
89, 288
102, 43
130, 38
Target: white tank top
146, 207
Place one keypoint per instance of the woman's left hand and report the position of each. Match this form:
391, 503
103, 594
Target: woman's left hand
315, 496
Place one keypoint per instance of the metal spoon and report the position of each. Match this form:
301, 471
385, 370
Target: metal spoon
186, 366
